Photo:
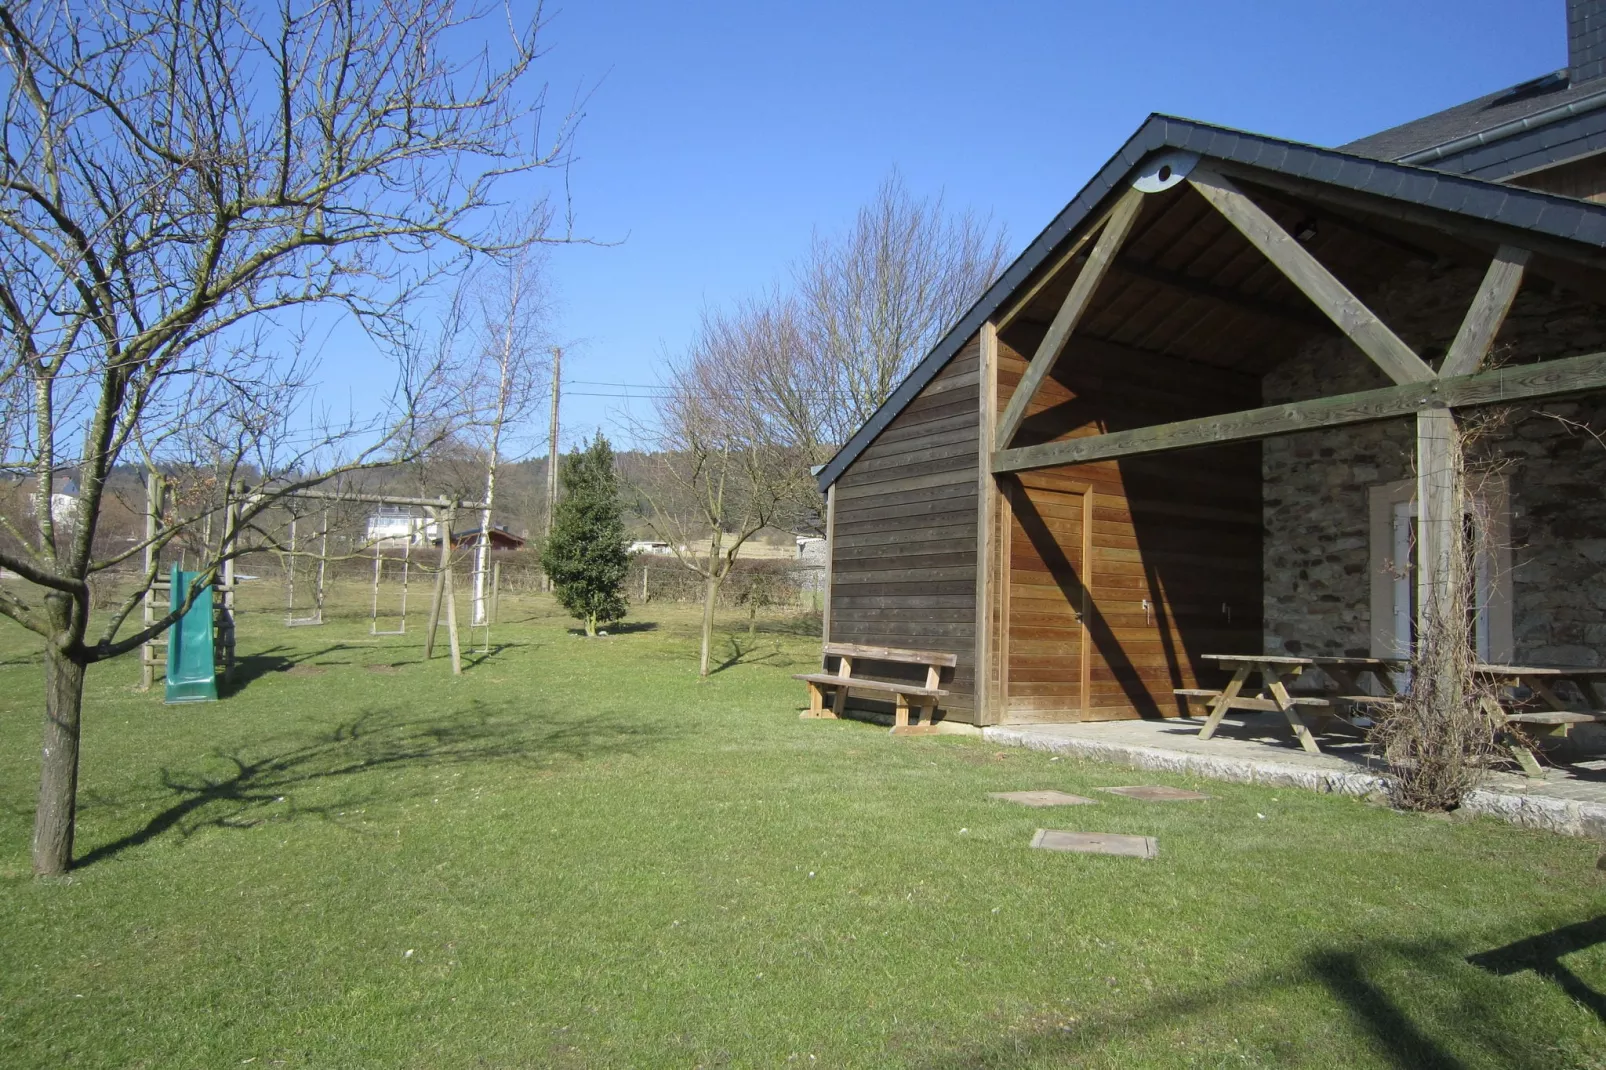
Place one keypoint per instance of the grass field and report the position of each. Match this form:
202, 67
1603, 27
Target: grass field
578, 855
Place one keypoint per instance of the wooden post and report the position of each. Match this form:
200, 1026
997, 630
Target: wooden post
496, 592
323, 562
154, 493
231, 526
830, 554
986, 697
1438, 507
451, 621
646, 567
442, 516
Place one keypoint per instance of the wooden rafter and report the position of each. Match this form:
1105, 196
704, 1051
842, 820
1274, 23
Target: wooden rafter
1330, 296
1489, 308
1522, 382
1115, 228
1222, 295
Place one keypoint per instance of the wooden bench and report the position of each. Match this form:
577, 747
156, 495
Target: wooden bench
1207, 697
843, 680
1547, 724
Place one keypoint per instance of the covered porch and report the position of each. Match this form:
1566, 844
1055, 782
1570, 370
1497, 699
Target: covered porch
1221, 418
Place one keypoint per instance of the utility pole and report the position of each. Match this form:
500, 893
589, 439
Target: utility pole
552, 457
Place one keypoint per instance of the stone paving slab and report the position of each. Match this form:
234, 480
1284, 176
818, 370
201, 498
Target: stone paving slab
1046, 797
1096, 843
1570, 799
1157, 793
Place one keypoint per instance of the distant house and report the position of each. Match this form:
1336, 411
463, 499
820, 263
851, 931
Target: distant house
649, 546
811, 550
500, 538
394, 527
64, 504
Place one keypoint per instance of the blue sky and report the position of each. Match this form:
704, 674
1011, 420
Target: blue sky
718, 137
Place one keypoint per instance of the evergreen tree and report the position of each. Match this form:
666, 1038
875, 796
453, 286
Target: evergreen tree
585, 555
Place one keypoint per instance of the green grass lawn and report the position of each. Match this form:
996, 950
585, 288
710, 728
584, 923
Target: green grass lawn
578, 855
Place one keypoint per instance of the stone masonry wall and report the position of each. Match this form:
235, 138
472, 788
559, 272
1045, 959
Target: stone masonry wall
1317, 582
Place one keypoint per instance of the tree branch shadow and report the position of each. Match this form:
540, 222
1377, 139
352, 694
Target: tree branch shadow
1475, 1018
256, 787
1543, 953
743, 655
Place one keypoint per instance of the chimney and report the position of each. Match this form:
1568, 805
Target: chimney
1586, 40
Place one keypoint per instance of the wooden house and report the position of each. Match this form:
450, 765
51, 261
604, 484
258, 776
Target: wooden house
500, 538
1205, 412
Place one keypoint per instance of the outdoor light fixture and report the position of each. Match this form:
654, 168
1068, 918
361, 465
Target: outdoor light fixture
1305, 231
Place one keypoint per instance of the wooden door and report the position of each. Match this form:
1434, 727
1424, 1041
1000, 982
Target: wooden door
1047, 668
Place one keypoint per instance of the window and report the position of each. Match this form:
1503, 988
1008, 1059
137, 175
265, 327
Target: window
1393, 568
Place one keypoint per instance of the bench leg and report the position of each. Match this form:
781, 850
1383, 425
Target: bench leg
1286, 703
839, 702
928, 712
1223, 702
816, 702
1515, 745
1525, 757
900, 719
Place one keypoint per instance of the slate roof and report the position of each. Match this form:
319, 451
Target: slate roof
1547, 214
1480, 116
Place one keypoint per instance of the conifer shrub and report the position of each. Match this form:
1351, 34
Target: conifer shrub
585, 555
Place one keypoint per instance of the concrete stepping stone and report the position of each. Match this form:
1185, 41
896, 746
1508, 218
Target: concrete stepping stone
1046, 797
1157, 793
1096, 843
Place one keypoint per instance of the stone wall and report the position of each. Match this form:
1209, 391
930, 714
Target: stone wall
1317, 579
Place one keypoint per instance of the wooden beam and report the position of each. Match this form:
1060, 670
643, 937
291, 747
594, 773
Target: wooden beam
1464, 230
1225, 295
1521, 382
1488, 311
1329, 295
1116, 226
1025, 301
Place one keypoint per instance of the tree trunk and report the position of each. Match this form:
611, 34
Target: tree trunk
58, 767
591, 625
710, 592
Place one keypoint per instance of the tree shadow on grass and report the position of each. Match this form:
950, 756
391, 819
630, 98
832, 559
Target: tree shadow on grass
1543, 954
477, 656
743, 652
1368, 983
257, 787
253, 667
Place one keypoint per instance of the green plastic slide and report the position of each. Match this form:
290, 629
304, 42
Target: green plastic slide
190, 673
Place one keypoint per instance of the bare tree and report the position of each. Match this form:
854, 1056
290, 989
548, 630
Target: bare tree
175, 178
726, 465
875, 302
508, 382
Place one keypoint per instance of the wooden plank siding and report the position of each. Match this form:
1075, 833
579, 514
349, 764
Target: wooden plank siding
1584, 178
1173, 551
903, 552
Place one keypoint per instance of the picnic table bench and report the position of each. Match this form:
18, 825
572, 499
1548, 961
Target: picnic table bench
1554, 720
842, 681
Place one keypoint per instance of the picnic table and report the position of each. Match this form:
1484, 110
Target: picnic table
1543, 713
1552, 717
1277, 673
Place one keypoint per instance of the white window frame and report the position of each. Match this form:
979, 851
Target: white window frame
1390, 505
